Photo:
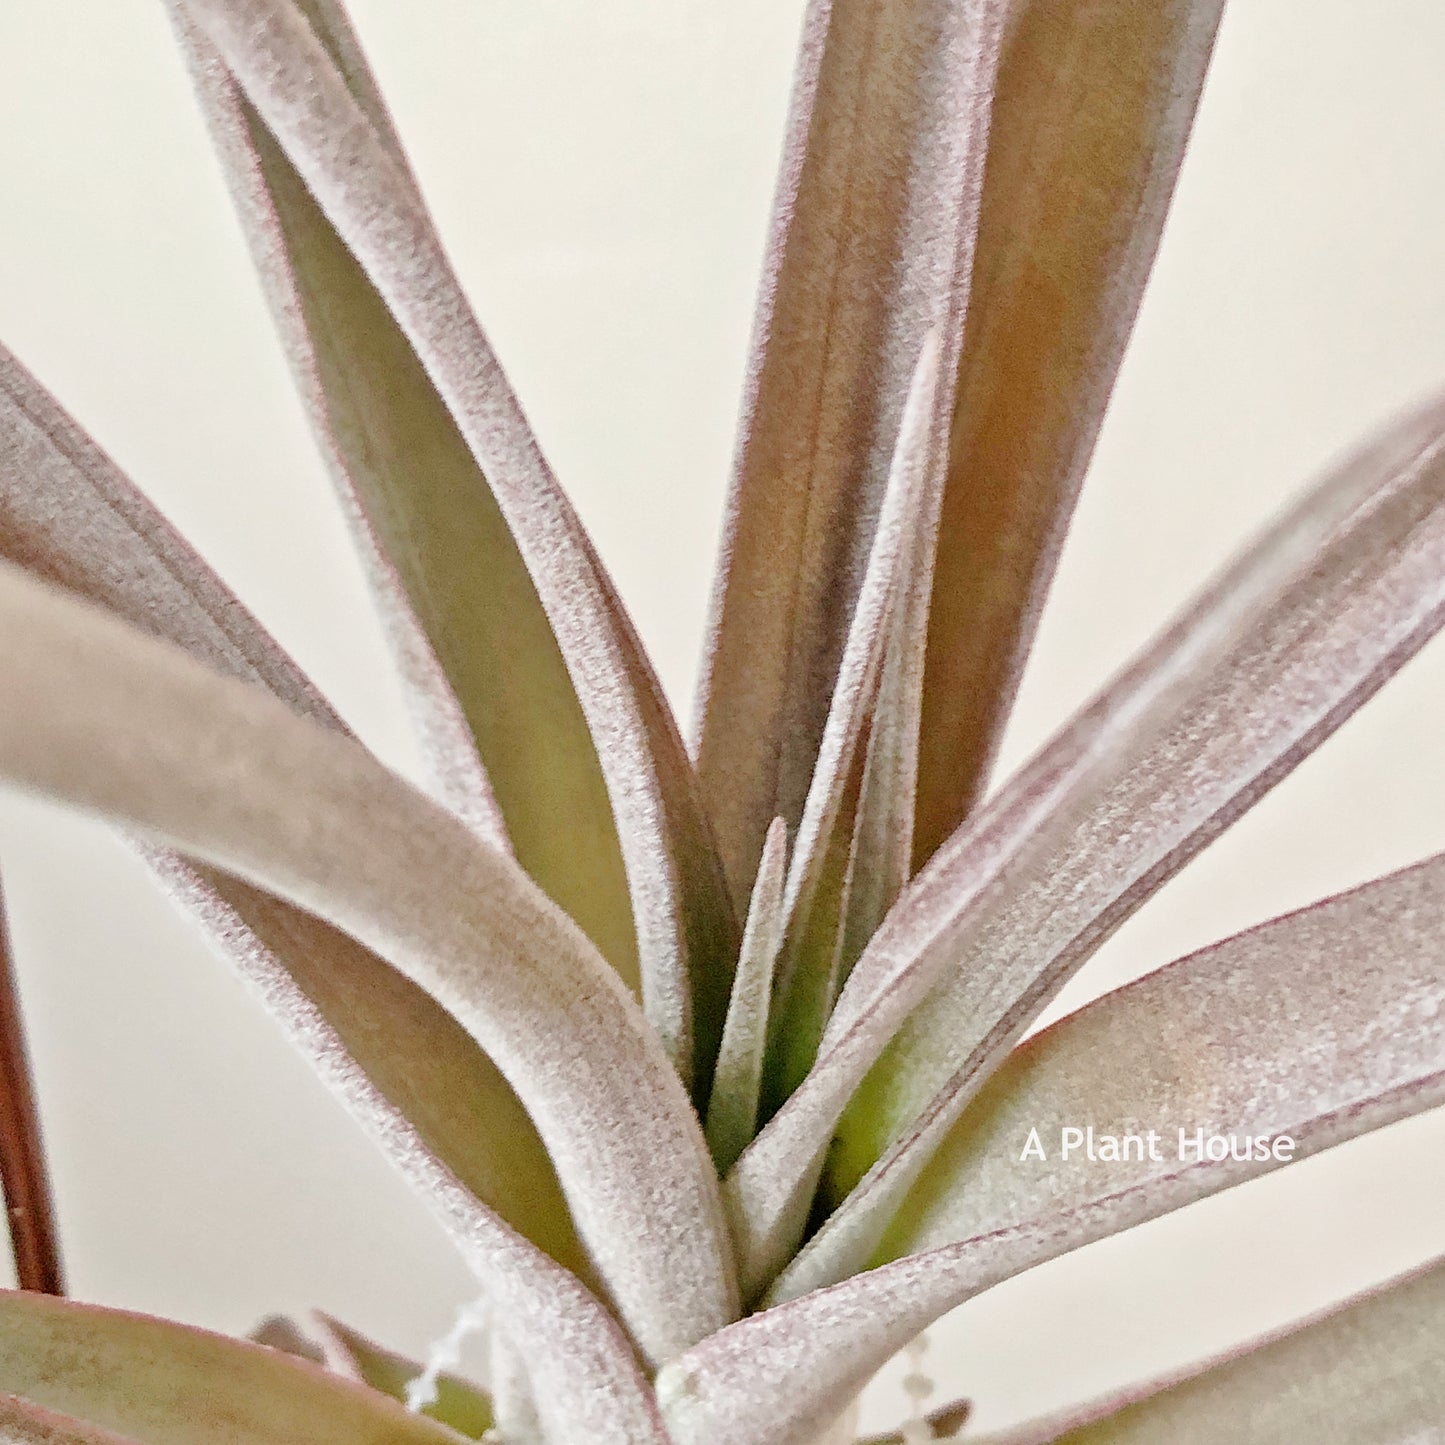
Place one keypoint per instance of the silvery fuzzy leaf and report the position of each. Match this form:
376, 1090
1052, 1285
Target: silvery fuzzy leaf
410, 1074
732, 1111
1283, 647
870, 251
133, 729
828, 849
1092, 110
355, 183
1369, 1372
1355, 999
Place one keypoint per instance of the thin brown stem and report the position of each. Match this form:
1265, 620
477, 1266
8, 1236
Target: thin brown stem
23, 1173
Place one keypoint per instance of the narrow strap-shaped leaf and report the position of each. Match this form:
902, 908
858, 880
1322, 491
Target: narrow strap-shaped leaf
397, 459
169, 1384
871, 250
430, 1099
24, 1173
732, 1111
22, 1423
883, 832
684, 927
1276, 654
819, 889
1371, 595
1356, 1001
131, 728
460, 1405
1093, 107
811, 961
1347, 974
1369, 1372
404, 1067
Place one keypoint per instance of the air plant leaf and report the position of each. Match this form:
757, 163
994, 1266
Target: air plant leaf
1367, 1373
133, 729
418, 419
732, 1111
1371, 594
168, 1384
415, 1079
1273, 656
1356, 1000
530, 986
1094, 103
871, 250
460, 1405
1354, 989
825, 859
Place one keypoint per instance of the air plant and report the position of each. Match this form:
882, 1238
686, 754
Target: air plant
710, 1061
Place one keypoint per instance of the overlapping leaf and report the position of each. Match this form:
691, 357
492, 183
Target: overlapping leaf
132, 728
410, 1073
480, 557
1284, 647
459, 1405
871, 250
1356, 999
851, 773
732, 1111
167, 1384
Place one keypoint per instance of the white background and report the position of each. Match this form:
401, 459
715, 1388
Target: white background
602, 175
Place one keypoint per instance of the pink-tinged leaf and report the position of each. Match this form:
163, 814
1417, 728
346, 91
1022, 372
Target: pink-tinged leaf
817, 901
871, 250
1369, 1372
883, 831
460, 1405
732, 1111
414, 1078
432, 1100
1331, 631
348, 176
1356, 1001
168, 1384
131, 728
25, 1424
1093, 108
485, 672
1275, 654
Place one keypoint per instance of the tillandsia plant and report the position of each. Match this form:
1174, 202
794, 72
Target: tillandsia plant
710, 1061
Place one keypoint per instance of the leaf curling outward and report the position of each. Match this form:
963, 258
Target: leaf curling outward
972, 195
530, 657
